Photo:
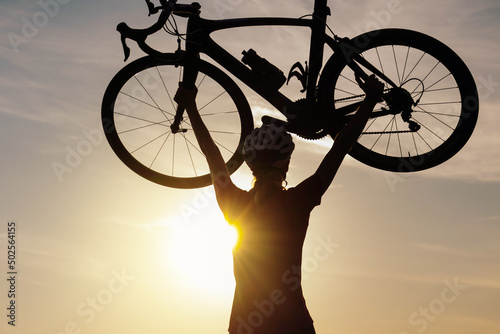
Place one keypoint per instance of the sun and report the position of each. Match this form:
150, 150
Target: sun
201, 254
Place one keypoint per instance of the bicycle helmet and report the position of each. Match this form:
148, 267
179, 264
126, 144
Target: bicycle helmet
268, 147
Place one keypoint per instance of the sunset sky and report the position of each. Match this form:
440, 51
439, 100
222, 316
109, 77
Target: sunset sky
102, 250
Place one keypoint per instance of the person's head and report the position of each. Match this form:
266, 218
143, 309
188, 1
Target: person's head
267, 151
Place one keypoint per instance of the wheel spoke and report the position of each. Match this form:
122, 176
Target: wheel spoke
438, 81
379, 61
427, 90
173, 156
439, 103
399, 139
146, 103
224, 132
425, 141
432, 70
414, 67
368, 127
192, 144
435, 113
211, 101
152, 99
396, 63
405, 130
166, 89
223, 146
149, 142
143, 138
414, 143
437, 119
430, 131
187, 142
220, 113
406, 63
201, 82
141, 119
350, 80
141, 127
380, 135
390, 134
161, 148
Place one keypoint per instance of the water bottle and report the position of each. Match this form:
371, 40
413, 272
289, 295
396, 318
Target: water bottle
269, 74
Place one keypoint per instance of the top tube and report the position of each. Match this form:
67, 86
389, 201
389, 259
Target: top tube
214, 25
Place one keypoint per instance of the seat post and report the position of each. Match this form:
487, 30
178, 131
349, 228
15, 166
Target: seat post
321, 11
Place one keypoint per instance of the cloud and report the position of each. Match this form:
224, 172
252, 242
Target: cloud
447, 250
45, 258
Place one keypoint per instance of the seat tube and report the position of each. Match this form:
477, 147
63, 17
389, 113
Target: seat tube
321, 11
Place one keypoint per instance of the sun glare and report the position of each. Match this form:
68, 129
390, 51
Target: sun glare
201, 254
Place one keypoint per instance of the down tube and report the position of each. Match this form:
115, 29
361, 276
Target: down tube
235, 66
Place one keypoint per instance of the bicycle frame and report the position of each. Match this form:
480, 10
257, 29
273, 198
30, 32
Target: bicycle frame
198, 41
332, 95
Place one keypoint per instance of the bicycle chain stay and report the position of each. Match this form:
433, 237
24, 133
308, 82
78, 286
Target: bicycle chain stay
387, 132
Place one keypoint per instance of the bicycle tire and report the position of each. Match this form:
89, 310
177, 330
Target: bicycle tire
446, 113
138, 109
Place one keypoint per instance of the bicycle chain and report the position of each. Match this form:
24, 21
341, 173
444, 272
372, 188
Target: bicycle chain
386, 132
373, 132
349, 98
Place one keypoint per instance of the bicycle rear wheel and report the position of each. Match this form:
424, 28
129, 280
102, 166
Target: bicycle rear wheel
138, 110
445, 108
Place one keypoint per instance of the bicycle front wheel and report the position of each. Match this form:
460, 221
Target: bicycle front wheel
443, 108
138, 110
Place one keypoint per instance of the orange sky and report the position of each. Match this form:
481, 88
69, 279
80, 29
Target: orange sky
102, 250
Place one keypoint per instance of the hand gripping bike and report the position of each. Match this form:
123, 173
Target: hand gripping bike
429, 108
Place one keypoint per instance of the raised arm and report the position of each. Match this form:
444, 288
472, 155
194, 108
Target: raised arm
350, 133
218, 170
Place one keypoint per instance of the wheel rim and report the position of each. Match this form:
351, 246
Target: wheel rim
441, 88
143, 111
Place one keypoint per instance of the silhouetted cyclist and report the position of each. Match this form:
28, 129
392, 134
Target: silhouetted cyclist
271, 220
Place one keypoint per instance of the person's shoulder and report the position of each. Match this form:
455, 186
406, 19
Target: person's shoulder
312, 182
307, 193
233, 202
230, 195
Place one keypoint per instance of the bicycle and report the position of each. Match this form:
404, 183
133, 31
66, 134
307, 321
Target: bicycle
429, 108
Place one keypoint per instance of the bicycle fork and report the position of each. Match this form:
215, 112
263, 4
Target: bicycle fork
176, 125
188, 81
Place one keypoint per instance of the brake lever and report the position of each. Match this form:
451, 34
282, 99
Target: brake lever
152, 8
122, 28
140, 35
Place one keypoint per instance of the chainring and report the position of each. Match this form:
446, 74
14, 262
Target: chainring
303, 124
